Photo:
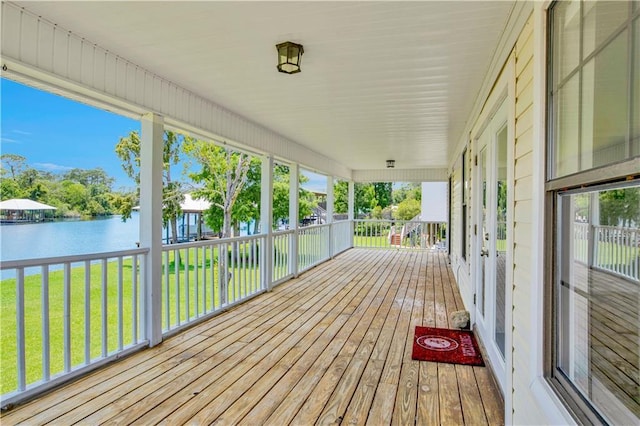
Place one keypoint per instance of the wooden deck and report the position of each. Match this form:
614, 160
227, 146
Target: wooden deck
332, 346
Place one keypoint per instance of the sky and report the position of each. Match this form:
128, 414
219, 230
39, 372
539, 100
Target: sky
57, 134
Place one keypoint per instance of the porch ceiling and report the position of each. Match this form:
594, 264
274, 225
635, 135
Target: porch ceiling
380, 80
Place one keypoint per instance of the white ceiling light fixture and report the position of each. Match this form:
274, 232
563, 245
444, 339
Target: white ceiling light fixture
391, 164
289, 57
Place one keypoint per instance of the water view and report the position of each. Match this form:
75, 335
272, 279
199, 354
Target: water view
50, 239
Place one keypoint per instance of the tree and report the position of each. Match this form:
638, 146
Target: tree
408, 209
620, 207
407, 190
12, 164
128, 150
223, 173
341, 197
365, 198
383, 193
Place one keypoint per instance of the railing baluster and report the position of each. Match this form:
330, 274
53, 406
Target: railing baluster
46, 342
67, 317
105, 334
204, 280
134, 299
120, 306
167, 298
244, 268
187, 288
213, 278
196, 284
87, 311
176, 268
20, 335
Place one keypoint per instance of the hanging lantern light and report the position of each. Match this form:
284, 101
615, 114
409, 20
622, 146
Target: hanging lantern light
289, 57
391, 164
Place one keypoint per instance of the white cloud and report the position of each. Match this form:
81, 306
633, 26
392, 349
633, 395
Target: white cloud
9, 140
52, 167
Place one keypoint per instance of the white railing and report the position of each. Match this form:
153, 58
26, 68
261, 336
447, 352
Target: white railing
341, 236
609, 248
581, 242
313, 246
399, 234
617, 250
63, 316
205, 277
282, 249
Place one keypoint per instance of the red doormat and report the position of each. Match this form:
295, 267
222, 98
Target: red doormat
444, 345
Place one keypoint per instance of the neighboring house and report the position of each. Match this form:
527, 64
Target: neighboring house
553, 127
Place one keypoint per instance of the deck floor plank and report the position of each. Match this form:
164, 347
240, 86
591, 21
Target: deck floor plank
333, 345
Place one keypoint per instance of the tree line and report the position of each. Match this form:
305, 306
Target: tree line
229, 179
74, 193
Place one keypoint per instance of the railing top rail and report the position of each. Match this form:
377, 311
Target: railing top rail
322, 225
284, 232
617, 228
202, 243
396, 221
45, 261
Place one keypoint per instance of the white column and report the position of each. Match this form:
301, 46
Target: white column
151, 167
329, 218
294, 207
351, 208
266, 221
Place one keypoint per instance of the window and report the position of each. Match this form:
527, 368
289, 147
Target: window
593, 184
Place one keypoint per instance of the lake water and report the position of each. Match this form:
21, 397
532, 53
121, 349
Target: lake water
50, 239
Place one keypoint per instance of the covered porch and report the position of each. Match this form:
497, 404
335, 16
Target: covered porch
331, 346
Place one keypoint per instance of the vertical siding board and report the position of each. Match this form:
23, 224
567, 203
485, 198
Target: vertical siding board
11, 22
74, 64
139, 81
99, 68
130, 91
171, 100
157, 93
60, 52
88, 57
121, 78
28, 38
110, 74
45, 46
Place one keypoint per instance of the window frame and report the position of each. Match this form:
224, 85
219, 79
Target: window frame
613, 175
464, 209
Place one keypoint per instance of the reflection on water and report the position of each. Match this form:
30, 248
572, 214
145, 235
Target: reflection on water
51, 239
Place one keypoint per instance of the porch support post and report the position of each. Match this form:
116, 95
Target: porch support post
592, 230
329, 218
266, 221
351, 209
151, 167
294, 192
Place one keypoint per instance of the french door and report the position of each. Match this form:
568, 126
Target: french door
491, 238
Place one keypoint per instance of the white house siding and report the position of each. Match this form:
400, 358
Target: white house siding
37, 50
524, 405
459, 265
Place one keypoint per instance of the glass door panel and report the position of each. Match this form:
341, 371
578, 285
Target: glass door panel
500, 237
